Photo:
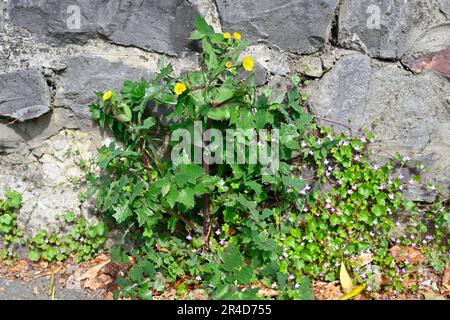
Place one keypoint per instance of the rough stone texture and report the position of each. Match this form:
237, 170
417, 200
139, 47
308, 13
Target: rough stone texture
21, 90
445, 8
390, 28
438, 61
49, 178
299, 26
84, 75
309, 66
162, 26
412, 110
48, 74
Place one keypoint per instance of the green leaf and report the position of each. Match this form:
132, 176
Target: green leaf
34, 256
148, 123
223, 94
202, 26
69, 216
232, 258
378, 210
219, 114
186, 197
13, 199
245, 275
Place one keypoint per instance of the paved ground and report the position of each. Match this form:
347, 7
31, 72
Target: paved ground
38, 290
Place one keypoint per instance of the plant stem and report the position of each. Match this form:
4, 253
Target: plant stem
206, 197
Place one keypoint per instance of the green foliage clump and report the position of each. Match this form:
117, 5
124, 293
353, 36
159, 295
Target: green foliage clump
225, 226
82, 242
9, 233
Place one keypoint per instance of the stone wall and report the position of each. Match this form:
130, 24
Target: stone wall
378, 65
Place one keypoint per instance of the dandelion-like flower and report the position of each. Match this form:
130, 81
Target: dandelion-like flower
248, 63
237, 36
228, 65
107, 95
226, 35
179, 88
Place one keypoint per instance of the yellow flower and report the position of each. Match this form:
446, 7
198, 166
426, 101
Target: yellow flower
180, 87
227, 35
248, 63
236, 36
107, 95
228, 65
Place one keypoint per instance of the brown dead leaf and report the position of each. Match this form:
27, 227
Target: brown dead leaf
410, 254
92, 273
362, 259
20, 266
327, 290
446, 276
100, 282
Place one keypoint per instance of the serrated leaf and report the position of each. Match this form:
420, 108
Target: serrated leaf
346, 281
232, 258
202, 26
186, 197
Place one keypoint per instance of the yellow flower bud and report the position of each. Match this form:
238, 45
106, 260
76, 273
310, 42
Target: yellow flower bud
248, 63
179, 88
107, 95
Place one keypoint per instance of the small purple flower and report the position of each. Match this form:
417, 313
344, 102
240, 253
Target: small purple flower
345, 143
339, 213
382, 187
354, 187
372, 234
391, 196
346, 252
291, 277
326, 162
406, 158
222, 242
400, 176
337, 264
218, 232
357, 148
411, 181
356, 157
429, 238
375, 167
189, 237
46, 241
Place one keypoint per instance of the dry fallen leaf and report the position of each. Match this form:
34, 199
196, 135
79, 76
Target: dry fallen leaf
354, 292
432, 296
446, 277
409, 254
362, 259
346, 281
326, 290
100, 262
